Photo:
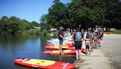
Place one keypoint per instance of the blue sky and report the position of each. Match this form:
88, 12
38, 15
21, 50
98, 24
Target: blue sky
31, 10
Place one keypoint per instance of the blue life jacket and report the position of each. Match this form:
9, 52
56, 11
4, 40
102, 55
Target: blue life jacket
67, 35
92, 35
78, 36
88, 35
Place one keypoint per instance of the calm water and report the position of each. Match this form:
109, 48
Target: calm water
25, 47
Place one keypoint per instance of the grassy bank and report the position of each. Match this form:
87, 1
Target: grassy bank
43, 32
116, 32
31, 32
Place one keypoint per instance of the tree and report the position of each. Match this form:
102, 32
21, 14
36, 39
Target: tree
13, 24
113, 15
4, 23
87, 12
57, 14
24, 25
34, 23
78, 12
9, 25
43, 19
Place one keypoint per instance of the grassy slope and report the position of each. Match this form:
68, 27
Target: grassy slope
116, 32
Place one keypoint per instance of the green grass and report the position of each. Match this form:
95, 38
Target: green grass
31, 32
116, 32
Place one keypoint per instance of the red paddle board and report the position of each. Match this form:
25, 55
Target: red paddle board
57, 47
57, 52
46, 64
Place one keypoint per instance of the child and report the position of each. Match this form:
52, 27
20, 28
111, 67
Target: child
87, 43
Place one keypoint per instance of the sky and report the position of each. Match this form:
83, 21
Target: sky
31, 10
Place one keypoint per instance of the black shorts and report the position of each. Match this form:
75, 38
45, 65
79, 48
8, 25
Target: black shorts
87, 46
78, 45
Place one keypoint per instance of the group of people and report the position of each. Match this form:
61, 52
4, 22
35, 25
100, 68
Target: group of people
82, 39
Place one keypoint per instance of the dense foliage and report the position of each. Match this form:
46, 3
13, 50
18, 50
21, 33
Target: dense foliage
87, 13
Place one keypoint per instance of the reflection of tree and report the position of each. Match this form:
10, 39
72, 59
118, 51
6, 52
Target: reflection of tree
9, 40
44, 41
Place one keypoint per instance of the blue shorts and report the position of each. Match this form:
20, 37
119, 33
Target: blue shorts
92, 41
60, 42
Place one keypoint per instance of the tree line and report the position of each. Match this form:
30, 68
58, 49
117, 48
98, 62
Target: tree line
87, 13
14, 24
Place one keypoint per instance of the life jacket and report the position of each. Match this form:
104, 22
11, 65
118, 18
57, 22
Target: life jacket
82, 34
92, 35
71, 33
66, 35
95, 37
102, 33
88, 35
78, 36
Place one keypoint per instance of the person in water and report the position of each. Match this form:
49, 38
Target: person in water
78, 43
60, 37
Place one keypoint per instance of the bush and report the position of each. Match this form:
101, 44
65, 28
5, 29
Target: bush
31, 32
45, 33
55, 34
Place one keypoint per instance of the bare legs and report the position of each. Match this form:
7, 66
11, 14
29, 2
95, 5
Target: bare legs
60, 48
78, 54
91, 44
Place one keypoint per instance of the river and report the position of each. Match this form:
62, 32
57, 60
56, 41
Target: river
29, 46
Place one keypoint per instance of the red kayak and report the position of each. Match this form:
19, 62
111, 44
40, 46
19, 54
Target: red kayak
57, 47
44, 64
56, 52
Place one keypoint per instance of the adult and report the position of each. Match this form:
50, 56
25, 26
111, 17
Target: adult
83, 39
90, 36
78, 43
91, 40
95, 38
60, 37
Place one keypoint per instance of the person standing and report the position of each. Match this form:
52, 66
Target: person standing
78, 43
83, 40
91, 39
87, 43
95, 37
60, 37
